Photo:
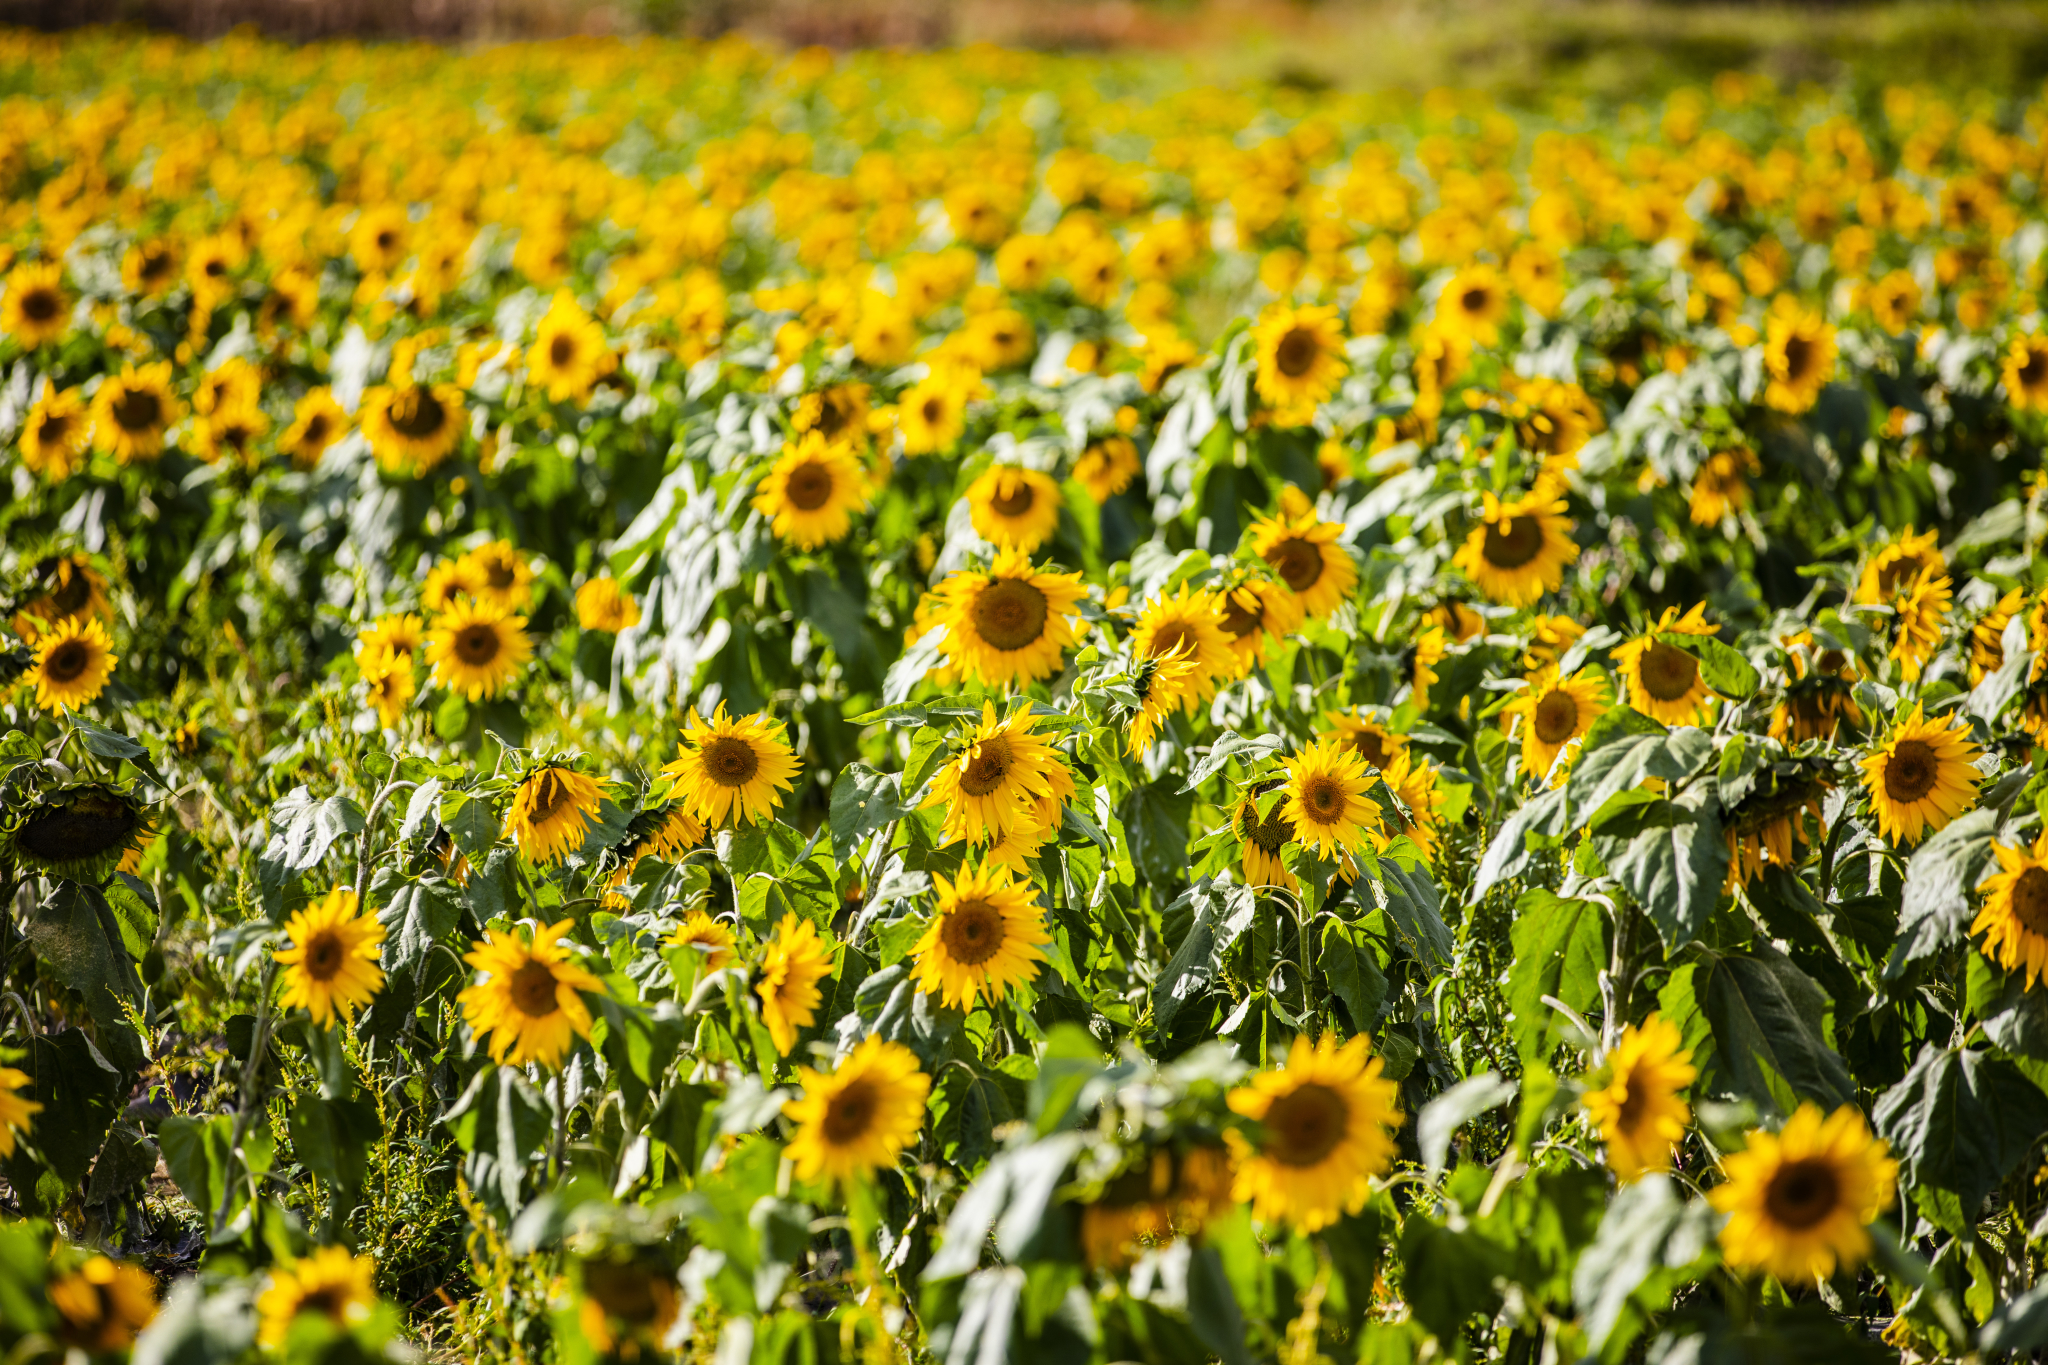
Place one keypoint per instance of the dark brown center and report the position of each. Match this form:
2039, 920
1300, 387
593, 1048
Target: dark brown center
1298, 562
1474, 301
1322, 798
1511, 543
533, 990
1910, 772
987, 766
324, 956
972, 933
1305, 1126
1238, 619
1557, 717
138, 410
730, 762
93, 824
53, 429
1802, 1194
417, 413
1168, 638
562, 349
809, 486
1013, 500
1296, 354
2030, 901
1010, 614
1802, 358
40, 305
1668, 672
477, 645
851, 1113
67, 662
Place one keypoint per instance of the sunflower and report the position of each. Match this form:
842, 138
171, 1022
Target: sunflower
569, 354
1009, 624
1264, 839
1519, 549
1422, 658
132, 411
1000, 777
1664, 681
2014, 919
629, 1305
529, 1000
1799, 356
729, 770
1014, 508
1921, 777
933, 412
1300, 359
2024, 371
477, 649
102, 1305
1303, 552
1107, 467
448, 582
1188, 624
378, 239
1167, 1194
331, 967
1640, 1106
1367, 737
707, 937
1721, 486
1165, 357
340, 1287
1162, 682
1987, 635
412, 427
1800, 1201
812, 491
34, 310
667, 832
1921, 611
317, 423
1474, 303
552, 812
1255, 613
502, 576
396, 634
73, 661
1413, 780
53, 435
230, 432
838, 412
602, 604
1326, 801
388, 684
1769, 824
235, 383
795, 961
860, 1116
1326, 1129
16, 1109
984, 937
78, 832
1549, 638
1554, 711
1897, 564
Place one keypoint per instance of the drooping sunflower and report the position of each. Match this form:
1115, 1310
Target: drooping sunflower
1300, 359
412, 427
388, 684
1009, 624
1921, 777
1326, 1129
1897, 564
35, 310
1800, 1201
1921, 611
73, 661
1367, 736
1303, 551
1257, 612
1190, 624
79, 832
53, 435
795, 961
331, 1282
1799, 356
1326, 801
17, 1111
1663, 681
603, 604
569, 354
102, 1304
1519, 549
985, 936
2014, 919
317, 423
477, 649
1819, 693
1014, 508
1107, 467
1552, 712
707, 937
812, 491
838, 412
860, 1116
331, 966
666, 832
1640, 1104
1161, 681
1770, 823
1001, 775
731, 770
1263, 840
132, 410
552, 812
2024, 371
530, 999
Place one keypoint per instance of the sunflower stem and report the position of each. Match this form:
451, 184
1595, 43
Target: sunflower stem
245, 1107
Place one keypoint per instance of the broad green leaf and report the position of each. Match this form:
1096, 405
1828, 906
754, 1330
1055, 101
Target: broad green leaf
1724, 667
1940, 895
1669, 855
1766, 1020
1155, 819
1352, 974
1508, 856
1222, 914
81, 1093
1560, 948
1631, 759
75, 935
1443, 1116
1961, 1121
863, 801
418, 915
1230, 744
1650, 1242
1411, 901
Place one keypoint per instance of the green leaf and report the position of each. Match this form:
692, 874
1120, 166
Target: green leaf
1560, 946
1155, 819
332, 1138
1212, 1308
863, 801
1631, 759
196, 1153
1961, 1121
1443, 1116
472, 822
302, 829
1222, 914
1939, 898
75, 934
418, 915
2015, 1018
1352, 974
1411, 902
1765, 1016
2019, 1324
1724, 667
1230, 744
1668, 853
1509, 855
1447, 1277
81, 1093
1649, 1243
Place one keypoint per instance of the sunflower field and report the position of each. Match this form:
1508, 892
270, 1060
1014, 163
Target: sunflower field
669, 701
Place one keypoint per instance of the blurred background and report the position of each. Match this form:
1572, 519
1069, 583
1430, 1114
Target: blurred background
1513, 47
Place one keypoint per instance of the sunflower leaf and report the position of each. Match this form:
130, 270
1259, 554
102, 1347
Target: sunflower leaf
1230, 744
1961, 1121
1724, 667
1939, 895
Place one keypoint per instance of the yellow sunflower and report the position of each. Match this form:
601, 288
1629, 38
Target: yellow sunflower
35, 310
2014, 919
812, 491
230, 432
1474, 303
412, 427
838, 412
317, 423
341, 1287
1367, 737
1799, 356
149, 268
933, 412
132, 411
103, 1305
501, 574
1161, 681
1188, 624
53, 435
1921, 612
1303, 552
1663, 681
1263, 840
665, 832
702, 934
602, 604
1413, 779
569, 354
795, 961
477, 649
2024, 371
1014, 508
1326, 801
1897, 564
1326, 1126
1800, 1201
1721, 486
730, 770
859, 1117
552, 812
1640, 1106
985, 936
399, 633
1552, 712
1519, 549
1987, 635
1107, 467
331, 967
1009, 624
16, 1109
1001, 775
1921, 777
1256, 613
388, 684
1423, 656
449, 582
530, 999
1300, 359
73, 661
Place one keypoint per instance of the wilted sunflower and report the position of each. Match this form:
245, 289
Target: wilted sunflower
102, 1304
73, 661
477, 649
1005, 768
1326, 1128
1799, 356
552, 812
411, 427
860, 1116
1770, 823
1162, 682
1300, 359
1009, 624
1921, 777
1897, 564
1640, 1104
1263, 840
2014, 920
77, 832
812, 491
2024, 371
1014, 508
132, 410
16, 1109
34, 310
985, 936
602, 604
529, 1000
53, 435
795, 961
1326, 801
569, 354
331, 967
1107, 467
1189, 624
1819, 694
330, 1282
1663, 681
707, 937
1552, 712
1800, 1201
1519, 549
1303, 552
730, 770
317, 423
1256, 613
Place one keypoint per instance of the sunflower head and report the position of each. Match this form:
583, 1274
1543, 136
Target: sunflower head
1302, 551
73, 661
79, 832
1014, 508
731, 770
1264, 837
1639, 1102
984, 937
2014, 920
1800, 1201
102, 1304
1519, 549
813, 491
602, 604
1921, 777
1325, 1125
1326, 801
528, 999
477, 648
35, 308
330, 1283
795, 961
1011, 623
860, 1116
331, 966
553, 811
